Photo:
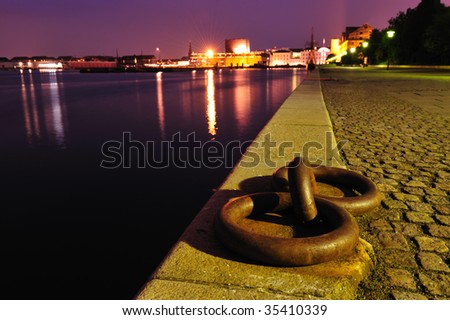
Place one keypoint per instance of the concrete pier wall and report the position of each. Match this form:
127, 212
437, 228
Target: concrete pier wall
200, 267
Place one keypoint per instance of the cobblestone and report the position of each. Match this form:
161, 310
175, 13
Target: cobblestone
443, 219
419, 217
439, 231
382, 225
416, 191
443, 209
436, 284
394, 204
407, 229
405, 197
391, 240
402, 295
421, 207
432, 262
415, 184
437, 200
400, 143
400, 259
431, 244
435, 192
401, 278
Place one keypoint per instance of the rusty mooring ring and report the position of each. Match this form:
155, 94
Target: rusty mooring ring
302, 186
342, 239
368, 199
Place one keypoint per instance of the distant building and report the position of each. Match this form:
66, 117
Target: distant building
353, 37
137, 61
237, 46
37, 63
280, 57
214, 59
6, 64
93, 62
297, 57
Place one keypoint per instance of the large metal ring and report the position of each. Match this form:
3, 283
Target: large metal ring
302, 187
338, 242
369, 197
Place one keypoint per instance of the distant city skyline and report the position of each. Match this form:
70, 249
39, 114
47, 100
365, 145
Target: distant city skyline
87, 27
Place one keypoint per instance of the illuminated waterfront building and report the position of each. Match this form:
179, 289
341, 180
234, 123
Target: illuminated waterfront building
223, 59
297, 57
238, 54
237, 46
37, 63
352, 38
98, 62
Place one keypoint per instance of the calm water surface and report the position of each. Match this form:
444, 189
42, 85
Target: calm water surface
71, 229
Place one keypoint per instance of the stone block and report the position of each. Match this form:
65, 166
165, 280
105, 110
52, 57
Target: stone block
401, 259
407, 229
394, 204
421, 207
401, 278
439, 231
405, 295
381, 224
438, 284
443, 219
390, 240
432, 262
419, 217
431, 244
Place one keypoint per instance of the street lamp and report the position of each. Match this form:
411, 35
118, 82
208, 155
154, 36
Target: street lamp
159, 54
390, 34
365, 44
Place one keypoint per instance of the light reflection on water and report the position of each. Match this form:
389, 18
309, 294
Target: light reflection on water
160, 98
56, 123
211, 107
217, 104
52, 109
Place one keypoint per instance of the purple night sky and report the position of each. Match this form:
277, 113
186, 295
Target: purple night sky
98, 27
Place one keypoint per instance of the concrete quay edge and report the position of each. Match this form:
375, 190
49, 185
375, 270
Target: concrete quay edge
199, 267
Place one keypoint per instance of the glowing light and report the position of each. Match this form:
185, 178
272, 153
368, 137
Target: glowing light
26, 112
50, 65
391, 33
352, 50
56, 111
365, 44
210, 54
211, 108
240, 49
160, 104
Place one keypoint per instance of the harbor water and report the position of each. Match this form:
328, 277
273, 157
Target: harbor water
101, 173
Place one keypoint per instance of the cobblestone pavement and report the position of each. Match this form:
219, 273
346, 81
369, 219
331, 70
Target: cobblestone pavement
397, 125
